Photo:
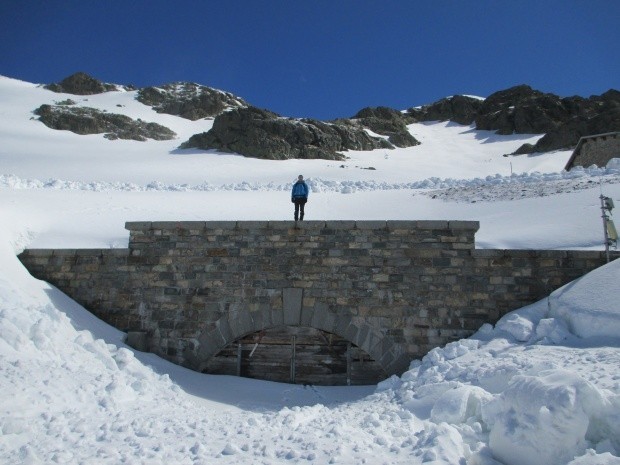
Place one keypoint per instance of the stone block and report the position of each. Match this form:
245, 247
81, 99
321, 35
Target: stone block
137, 340
138, 225
291, 304
371, 225
469, 225
89, 253
223, 225
223, 326
281, 225
402, 225
311, 225
432, 225
209, 343
277, 317
252, 225
340, 224
370, 343
64, 252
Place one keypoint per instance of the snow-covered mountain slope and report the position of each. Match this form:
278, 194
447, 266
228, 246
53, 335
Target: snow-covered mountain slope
540, 387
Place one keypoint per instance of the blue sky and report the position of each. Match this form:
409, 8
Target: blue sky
320, 58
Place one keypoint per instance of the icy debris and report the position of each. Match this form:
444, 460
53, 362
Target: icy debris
491, 188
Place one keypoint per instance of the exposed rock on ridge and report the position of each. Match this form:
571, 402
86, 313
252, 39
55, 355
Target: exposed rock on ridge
460, 108
523, 110
598, 115
264, 134
85, 120
82, 84
189, 100
388, 122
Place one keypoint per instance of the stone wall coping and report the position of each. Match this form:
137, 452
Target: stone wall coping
474, 225
371, 224
74, 252
316, 224
340, 224
536, 253
40, 252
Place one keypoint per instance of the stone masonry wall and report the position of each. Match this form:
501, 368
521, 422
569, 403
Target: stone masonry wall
599, 150
396, 289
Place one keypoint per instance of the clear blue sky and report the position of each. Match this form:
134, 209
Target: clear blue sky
320, 58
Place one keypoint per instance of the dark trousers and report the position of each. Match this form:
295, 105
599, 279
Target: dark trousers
299, 208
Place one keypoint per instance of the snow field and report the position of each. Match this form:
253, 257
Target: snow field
542, 386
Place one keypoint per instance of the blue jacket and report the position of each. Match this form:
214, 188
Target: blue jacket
300, 190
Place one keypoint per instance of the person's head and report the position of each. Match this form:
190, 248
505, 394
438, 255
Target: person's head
300, 178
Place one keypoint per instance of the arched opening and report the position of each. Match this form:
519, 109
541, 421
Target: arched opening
296, 354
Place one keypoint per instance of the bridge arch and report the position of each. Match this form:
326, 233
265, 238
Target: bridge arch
231, 327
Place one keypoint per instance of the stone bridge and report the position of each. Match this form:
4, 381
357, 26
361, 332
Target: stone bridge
328, 302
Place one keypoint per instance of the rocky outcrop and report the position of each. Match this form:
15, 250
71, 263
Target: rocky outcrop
82, 84
597, 115
85, 120
523, 110
387, 122
460, 108
243, 129
262, 134
189, 100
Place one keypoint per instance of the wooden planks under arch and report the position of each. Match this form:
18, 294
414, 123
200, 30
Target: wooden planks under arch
296, 354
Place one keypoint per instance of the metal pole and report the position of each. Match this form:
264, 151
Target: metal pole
605, 218
348, 364
293, 359
239, 349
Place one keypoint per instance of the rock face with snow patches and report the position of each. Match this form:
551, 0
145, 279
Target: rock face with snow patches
259, 133
189, 100
523, 110
387, 122
85, 120
263, 134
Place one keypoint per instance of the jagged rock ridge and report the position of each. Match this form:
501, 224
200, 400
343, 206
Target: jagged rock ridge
189, 100
241, 128
523, 110
86, 120
263, 134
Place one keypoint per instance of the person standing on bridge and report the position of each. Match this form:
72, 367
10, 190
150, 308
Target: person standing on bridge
299, 196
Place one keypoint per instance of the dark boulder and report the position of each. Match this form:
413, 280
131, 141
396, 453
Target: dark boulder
189, 100
81, 84
259, 133
85, 120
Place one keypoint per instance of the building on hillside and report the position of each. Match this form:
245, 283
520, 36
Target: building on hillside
596, 150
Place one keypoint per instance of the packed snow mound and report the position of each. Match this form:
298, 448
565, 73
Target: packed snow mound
591, 305
530, 382
490, 188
